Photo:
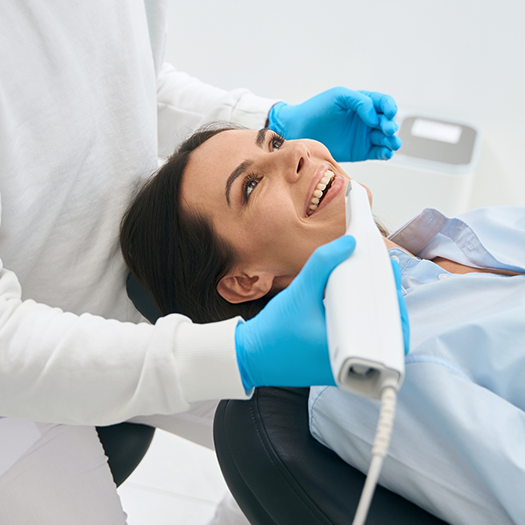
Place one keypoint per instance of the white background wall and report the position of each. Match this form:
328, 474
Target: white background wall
463, 59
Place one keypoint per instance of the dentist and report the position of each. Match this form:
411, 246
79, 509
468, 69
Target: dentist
86, 107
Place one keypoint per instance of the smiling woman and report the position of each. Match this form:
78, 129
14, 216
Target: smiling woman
230, 220
257, 197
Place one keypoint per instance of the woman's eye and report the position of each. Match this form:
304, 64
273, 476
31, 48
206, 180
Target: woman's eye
276, 142
250, 183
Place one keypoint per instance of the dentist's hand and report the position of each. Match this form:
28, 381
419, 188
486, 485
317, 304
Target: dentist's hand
285, 344
353, 125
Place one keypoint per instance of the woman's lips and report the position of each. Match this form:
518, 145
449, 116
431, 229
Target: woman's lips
320, 191
316, 178
329, 194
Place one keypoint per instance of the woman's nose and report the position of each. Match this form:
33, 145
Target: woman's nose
298, 158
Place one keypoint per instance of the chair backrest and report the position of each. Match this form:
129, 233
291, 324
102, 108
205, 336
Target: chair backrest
279, 474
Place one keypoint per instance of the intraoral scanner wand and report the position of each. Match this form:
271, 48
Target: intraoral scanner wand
365, 336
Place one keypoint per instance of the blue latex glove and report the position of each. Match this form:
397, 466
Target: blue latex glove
353, 125
402, 306
285, 344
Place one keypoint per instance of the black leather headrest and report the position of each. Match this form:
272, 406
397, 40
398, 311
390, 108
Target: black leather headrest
142, 300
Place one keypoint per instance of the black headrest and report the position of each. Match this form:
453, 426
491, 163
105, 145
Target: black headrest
142, 300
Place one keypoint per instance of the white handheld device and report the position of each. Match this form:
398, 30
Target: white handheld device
365, 336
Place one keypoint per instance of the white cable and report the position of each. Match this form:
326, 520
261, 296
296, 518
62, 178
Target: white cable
379, 450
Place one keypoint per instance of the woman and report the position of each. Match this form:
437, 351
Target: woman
252, 208
217, 268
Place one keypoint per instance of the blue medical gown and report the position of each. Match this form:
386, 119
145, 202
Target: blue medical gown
458, 445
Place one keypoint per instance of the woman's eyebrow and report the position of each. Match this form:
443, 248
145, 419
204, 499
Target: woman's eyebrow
237, 172
261, 136
243, 166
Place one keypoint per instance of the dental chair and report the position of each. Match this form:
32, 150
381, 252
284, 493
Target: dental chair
277, 472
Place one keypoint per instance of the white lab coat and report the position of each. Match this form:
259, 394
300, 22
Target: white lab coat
82, 94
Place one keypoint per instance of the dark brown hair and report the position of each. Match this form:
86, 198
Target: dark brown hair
174, 254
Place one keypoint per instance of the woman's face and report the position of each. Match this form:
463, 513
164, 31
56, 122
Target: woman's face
267, 198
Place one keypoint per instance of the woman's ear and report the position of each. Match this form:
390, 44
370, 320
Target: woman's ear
240, 288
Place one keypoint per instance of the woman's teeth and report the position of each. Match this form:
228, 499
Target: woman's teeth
319, 192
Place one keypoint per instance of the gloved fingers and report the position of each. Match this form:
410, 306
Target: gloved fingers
382, 103
375, 109
379, 153
361, 103
274, 120
402, 306
387, 125
405, 324
396, 269
312, 279
378, 138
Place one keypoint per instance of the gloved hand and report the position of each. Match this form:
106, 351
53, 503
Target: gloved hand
402, 306
353, 125
285, 344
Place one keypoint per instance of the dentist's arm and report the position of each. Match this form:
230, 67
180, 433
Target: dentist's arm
60, 367
64, 368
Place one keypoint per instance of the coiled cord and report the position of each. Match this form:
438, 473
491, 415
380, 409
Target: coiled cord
379, 451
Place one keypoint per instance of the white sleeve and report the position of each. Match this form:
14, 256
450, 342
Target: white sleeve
456, 450
63, 368
184, 103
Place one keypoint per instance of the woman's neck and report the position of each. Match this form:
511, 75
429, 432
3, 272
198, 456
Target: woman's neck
391, 244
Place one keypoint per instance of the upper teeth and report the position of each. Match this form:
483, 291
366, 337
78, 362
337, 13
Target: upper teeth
328, 177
